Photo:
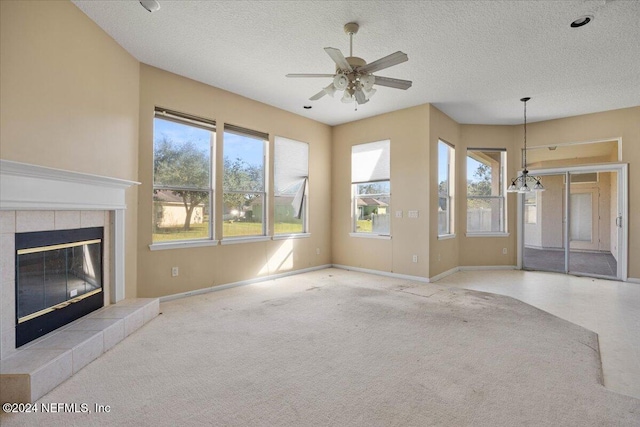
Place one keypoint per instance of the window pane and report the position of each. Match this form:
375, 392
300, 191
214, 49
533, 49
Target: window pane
182, 155
243, 163
445, 181
291, 170
243, 184
443, 215
172, 221
485, 192
242, 214
285, 221
485, 214
373, 210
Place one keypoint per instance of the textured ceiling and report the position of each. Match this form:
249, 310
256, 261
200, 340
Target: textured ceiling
473, 60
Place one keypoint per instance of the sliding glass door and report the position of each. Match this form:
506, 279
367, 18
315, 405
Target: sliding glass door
576, 225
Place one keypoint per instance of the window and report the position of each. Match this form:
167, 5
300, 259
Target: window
531, 207
446, 182
485, 191
182, 189
371, 187
243, 182
291, 176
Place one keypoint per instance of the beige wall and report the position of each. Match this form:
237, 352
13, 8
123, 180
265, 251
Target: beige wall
444, 254
214, 265
69, 99
408, 131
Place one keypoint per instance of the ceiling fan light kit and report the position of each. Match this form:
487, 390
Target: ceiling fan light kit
354, 76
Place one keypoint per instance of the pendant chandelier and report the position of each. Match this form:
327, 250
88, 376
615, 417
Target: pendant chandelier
521, 184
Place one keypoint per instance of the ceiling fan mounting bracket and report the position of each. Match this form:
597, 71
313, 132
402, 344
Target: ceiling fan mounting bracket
351, 28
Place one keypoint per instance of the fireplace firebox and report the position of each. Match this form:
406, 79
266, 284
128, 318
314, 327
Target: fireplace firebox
58, 279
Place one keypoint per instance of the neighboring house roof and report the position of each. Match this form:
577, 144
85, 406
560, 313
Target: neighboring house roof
167, 196
370, 201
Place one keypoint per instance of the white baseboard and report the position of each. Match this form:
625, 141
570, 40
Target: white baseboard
487, 267
382, 273
444, 274
471, 268
241, 283
633, 280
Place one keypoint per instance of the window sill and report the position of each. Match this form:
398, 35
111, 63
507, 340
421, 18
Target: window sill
371, 236
446, 236
291, 236
182, 244
487, 234
250, 239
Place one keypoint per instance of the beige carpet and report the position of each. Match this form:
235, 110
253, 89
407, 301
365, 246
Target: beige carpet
340, 348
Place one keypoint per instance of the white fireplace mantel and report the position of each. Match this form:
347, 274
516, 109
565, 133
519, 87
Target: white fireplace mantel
26, 187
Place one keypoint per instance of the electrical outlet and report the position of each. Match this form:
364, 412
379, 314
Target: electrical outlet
398, 214
174, 271
415, 258
439, 257
317, 251
504, 251
73, 293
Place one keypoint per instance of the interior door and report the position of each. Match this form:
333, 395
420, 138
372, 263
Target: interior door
584, 219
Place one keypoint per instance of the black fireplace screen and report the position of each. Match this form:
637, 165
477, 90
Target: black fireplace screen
55, 270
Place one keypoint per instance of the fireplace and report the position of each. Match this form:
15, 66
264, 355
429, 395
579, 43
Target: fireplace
59, 278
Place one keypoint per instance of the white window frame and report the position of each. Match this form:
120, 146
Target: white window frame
450, 190
301, 196
202, 123
370, 164
503, 232
264, 138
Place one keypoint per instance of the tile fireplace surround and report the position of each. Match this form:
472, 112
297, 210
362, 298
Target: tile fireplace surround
35, 198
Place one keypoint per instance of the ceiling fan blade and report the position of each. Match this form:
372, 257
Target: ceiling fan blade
318, 95
394, 83
386, 62
360, 97
309, 75
338, 58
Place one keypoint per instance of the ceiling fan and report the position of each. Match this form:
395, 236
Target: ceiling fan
354, 76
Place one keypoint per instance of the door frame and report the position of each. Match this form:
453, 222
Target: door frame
622, 170
594, 243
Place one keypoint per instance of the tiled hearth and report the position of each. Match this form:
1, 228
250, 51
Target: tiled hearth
33, 199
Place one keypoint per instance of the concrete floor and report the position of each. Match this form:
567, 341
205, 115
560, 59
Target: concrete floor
609, 308
600, 263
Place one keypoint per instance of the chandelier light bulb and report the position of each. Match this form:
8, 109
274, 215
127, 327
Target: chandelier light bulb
340, 81
347, 98
367, 82
368, 93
